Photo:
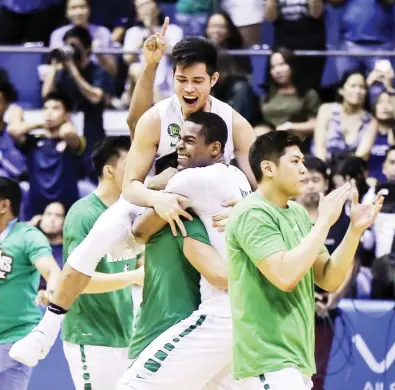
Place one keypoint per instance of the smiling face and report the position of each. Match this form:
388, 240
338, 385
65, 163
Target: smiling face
192, 149
354, 90
192, 85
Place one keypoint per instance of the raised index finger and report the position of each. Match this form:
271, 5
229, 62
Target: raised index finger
165, 26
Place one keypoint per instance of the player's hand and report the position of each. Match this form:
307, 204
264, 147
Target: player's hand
43, 298
330, 206
221, 219
320, 306
154, 47
137, 276
35, 221
363, 215
170, 208
159, 182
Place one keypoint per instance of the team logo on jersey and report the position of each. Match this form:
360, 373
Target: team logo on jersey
5, 265
174, 130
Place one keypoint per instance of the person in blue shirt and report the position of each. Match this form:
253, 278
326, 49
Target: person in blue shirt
53, 156
83, 81
364, 26
12, 161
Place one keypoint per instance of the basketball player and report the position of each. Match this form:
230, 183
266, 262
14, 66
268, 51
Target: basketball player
197, 351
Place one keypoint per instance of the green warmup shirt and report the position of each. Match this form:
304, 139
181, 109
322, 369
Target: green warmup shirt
97, 319
19, 280
272, 329
196, 6
171, 285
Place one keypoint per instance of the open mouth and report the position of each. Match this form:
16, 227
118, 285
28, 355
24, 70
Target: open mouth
182, 157
191, 100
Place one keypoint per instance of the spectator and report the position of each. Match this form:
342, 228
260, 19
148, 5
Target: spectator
232, 86
84, 82
288, 104
24, 255
12, 161
384, 226
24, 21
78, 12
384, 113
150, 21
345, 128
53, 157
247, 15
51, 224
380, 80
300, 26
192, 16
367, 28
326, 303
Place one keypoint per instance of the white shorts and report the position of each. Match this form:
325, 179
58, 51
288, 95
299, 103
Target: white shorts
194, 354
285, 379
101, 367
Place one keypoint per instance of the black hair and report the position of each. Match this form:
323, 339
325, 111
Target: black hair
82, 34
213, 127
389, 150
9, 189
195, 50
8, 91
60, 97
313, 163
298, 79
270, 146
107, 150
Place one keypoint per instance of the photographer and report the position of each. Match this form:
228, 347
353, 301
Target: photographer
73, 73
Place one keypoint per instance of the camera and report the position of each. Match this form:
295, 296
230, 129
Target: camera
67, 52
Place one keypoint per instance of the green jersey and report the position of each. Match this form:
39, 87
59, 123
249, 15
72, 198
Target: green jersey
272, 329
97, 319
171, 285
19, 280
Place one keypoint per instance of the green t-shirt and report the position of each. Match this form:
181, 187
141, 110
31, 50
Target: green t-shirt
97, 319
196, 6
171, 285
19, 280
272, 329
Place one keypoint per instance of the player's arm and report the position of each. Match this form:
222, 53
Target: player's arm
207, 261
102, 283
50, 271
140, 158
243, 138
146, 225
143, 94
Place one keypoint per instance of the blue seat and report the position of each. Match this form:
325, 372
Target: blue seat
22, 69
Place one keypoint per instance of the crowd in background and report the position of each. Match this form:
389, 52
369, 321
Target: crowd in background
348, 129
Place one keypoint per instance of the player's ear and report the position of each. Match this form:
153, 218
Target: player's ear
5, 204
216, 148
108, 172
268, 168
214, 79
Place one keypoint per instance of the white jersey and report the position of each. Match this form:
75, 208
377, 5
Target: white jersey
208, 188
171, 121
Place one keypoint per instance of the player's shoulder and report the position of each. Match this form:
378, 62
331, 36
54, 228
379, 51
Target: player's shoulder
298, 208
86, 209
166, 105
30, 235
24, 227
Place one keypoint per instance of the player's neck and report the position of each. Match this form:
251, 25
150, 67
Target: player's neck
273, 194
107, 193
